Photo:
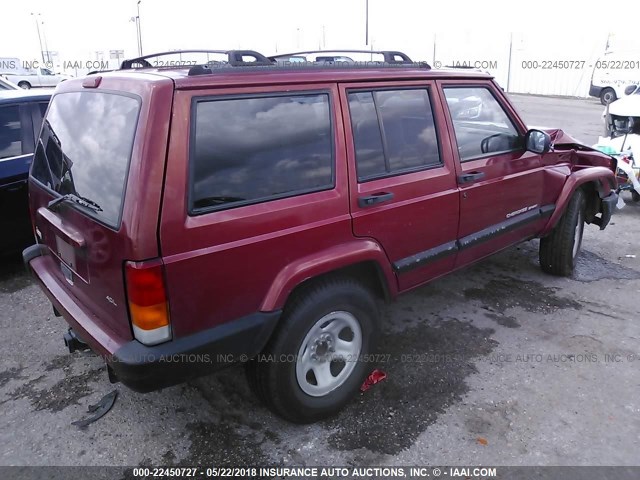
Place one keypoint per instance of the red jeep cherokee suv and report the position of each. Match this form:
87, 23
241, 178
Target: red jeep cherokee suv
254, 210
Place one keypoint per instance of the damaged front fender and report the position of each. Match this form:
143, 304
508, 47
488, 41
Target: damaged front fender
600, 185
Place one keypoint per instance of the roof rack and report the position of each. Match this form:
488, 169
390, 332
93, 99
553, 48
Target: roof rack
390, 56
235, 58
251, 58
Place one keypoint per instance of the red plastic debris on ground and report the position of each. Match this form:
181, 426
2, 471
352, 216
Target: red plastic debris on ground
373, 378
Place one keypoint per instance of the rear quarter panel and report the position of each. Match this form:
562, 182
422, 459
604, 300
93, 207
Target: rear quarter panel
223, 265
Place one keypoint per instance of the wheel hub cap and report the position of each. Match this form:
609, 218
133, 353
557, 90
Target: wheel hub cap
328, 353
322, 348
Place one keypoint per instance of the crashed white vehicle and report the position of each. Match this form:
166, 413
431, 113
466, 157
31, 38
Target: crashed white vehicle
622, 123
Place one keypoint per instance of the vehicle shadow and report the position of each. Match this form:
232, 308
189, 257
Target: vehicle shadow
13, 274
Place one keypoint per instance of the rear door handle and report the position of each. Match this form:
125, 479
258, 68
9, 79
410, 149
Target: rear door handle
470, 177
374, 199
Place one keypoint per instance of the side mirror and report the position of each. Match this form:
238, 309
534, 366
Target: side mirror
630, 89
537, 141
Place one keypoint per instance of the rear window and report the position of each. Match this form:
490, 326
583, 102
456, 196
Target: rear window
250, 150
84, 150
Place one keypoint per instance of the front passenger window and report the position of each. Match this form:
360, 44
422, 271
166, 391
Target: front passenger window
481, 125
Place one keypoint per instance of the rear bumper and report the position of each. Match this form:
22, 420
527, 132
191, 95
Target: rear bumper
102, 341
146, 368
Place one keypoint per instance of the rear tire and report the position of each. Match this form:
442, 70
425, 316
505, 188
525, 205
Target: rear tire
607, 96
559, 250
24, 85
324, 319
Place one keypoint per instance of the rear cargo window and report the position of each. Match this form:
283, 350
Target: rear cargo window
249, 150
84, 150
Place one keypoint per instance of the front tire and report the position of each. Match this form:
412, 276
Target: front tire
607, 96
635, 196
559, 250
312, 366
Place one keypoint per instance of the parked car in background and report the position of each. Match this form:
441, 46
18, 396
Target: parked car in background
39, 77
622, 139
7, 85
189, 218
21, 116
612, 73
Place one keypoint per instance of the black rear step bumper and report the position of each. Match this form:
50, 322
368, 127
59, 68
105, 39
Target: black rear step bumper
147, 368
32, 252
144, 369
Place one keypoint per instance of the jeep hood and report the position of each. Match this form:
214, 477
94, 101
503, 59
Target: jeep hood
560, 138
583, 154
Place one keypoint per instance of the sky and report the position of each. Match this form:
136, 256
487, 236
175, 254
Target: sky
77, 29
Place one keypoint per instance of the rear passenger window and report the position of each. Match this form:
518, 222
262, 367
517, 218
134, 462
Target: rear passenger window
10, 132
393, 131
249, 150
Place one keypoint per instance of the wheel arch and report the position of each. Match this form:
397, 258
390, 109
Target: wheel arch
598, 183
361, 259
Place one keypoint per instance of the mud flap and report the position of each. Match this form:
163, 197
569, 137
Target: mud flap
609, 204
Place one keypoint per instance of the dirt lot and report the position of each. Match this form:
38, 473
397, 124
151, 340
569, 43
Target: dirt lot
499, 364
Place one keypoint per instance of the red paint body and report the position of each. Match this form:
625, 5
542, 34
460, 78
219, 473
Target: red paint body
228, 264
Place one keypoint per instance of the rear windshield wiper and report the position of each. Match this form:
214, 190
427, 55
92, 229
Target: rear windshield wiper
72, 197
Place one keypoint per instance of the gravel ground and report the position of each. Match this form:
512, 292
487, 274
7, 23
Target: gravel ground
498, 364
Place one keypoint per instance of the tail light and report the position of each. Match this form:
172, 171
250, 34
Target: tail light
148, 305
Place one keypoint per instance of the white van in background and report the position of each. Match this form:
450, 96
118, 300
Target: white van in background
612, 73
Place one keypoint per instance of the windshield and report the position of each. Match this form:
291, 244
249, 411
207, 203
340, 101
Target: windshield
84, 150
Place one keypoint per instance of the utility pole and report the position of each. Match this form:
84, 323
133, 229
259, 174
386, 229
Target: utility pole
366, 22
46, 47
39, 37
139, 29
509, 66
136, 20
435, 37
